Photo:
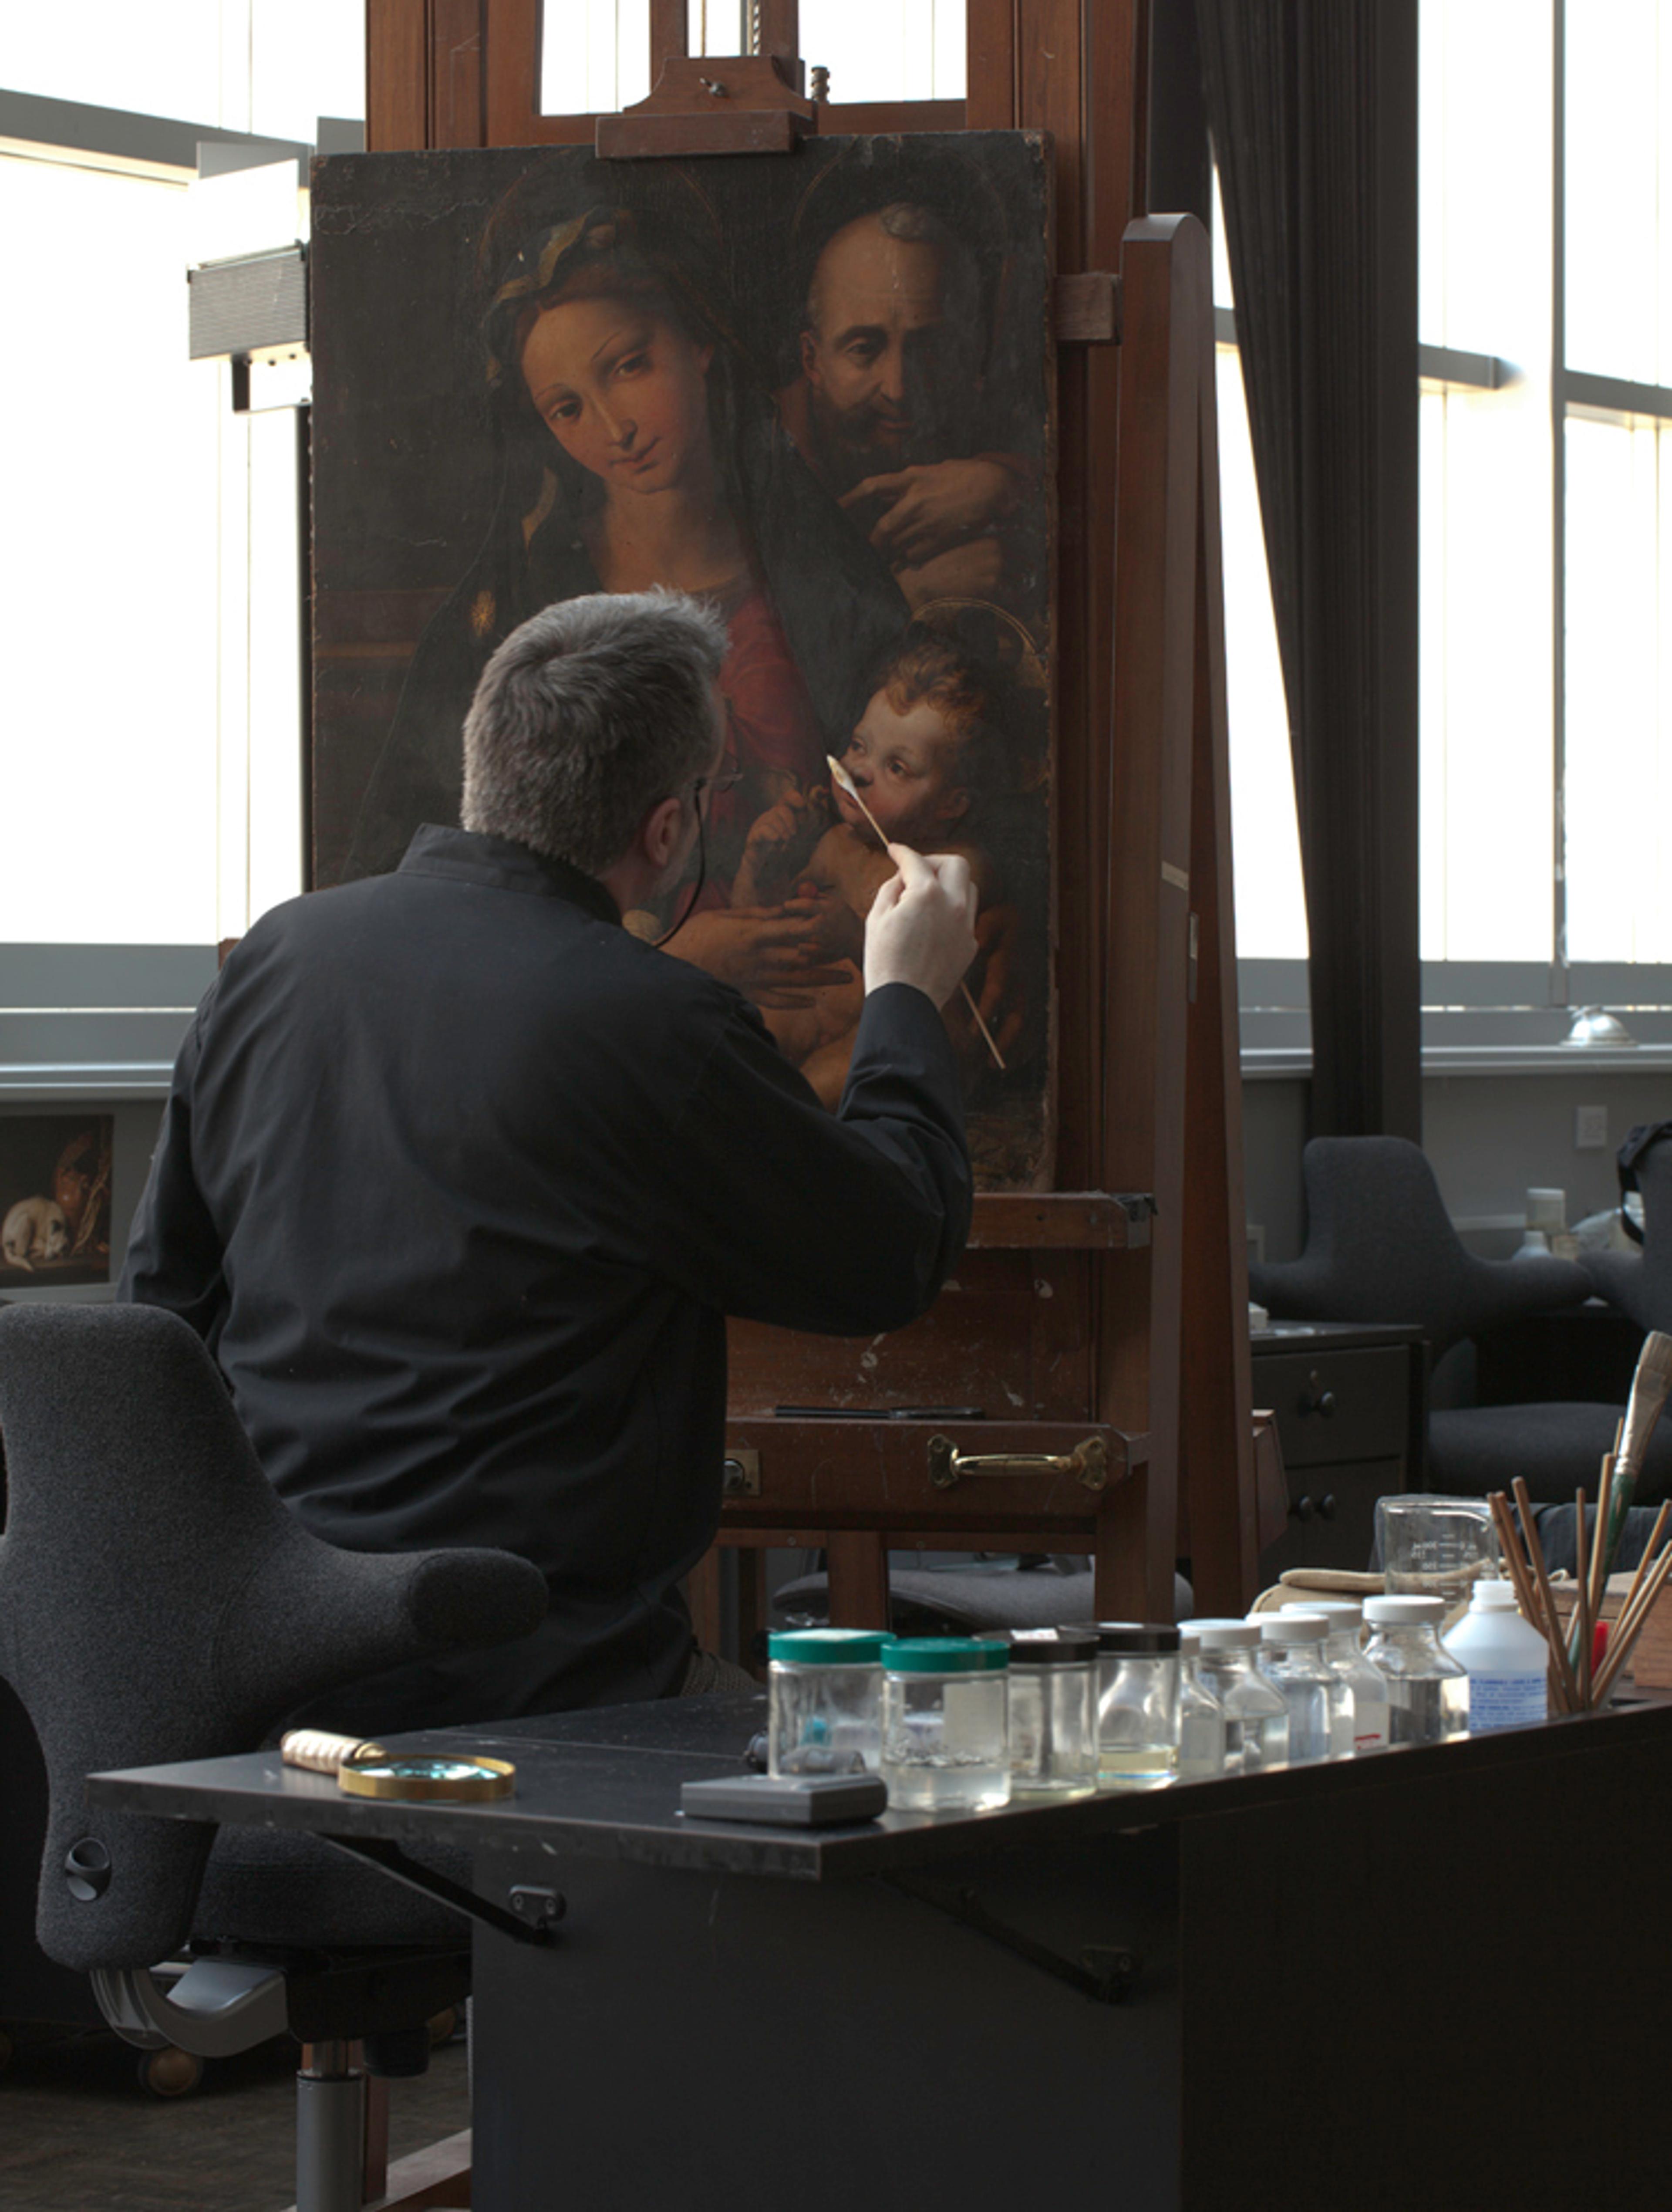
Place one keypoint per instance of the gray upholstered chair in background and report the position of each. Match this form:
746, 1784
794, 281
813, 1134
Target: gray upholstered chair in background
157, 1603
1380, 1247
1640, 1283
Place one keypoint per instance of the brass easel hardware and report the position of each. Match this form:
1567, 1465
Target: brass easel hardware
1087, 1462
740, 1474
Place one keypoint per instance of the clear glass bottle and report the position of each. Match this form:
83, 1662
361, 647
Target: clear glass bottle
1427, 1690
1138, 1704
1201, 1718
1291, 1657
1053, 1711
945, 1705
825, 1686
1344, 1651
1257, 1720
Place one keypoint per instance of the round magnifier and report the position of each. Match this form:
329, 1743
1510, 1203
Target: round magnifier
418, 1778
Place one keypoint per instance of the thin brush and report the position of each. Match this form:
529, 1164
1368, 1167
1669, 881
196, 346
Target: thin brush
1631, 1624
853, 791
1651, 1386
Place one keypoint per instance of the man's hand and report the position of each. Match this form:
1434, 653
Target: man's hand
934, 506
922, 925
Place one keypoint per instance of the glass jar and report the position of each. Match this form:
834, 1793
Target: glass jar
1138, 1704
1291, 1657
1201, 1718
1053, 1711
1256, 1733
825, 1686
1344, 1650
945, 1701
1427, 1690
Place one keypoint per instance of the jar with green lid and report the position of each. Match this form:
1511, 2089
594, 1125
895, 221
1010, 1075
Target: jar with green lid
825, 1687
945, 1714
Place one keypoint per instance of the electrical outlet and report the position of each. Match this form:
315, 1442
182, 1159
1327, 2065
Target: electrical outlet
1591, 1129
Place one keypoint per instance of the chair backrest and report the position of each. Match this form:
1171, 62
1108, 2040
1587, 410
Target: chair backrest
1640, 1283
1380, 1247
158, 1602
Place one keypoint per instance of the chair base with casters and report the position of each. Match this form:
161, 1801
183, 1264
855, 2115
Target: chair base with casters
962, 1601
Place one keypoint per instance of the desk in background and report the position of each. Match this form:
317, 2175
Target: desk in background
1351, 1401
1355, 1984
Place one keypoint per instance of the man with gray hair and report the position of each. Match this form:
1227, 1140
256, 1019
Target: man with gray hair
459, 1180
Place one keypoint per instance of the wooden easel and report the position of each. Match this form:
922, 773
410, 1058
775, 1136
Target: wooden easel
1106, 1317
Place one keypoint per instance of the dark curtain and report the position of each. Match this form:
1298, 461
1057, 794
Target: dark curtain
1312, 108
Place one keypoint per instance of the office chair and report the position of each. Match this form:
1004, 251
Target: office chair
1640, 1283
159, 1603
1380, 1247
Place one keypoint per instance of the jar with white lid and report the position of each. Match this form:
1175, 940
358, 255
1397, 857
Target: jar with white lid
1053, 1711
1344, 1650
945, 1707
1427, 1690
1257, 1720
1291, 1657
1138, 1704
825, 1691
1203, 1721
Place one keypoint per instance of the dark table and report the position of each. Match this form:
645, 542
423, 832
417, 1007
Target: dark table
1423, 1979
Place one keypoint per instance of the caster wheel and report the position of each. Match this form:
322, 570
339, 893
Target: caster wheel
169, 2072
444, 2026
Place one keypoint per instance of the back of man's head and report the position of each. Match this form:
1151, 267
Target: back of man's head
587, 716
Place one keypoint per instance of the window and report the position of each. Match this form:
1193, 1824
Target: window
1544, 156
151, 694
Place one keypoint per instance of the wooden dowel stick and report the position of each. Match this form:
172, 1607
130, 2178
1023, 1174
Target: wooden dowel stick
1541, 1577
1582, 1596
1628, 1631
853, 791
1599, 1549
1509, 1544
1644, 1564
1638, 1599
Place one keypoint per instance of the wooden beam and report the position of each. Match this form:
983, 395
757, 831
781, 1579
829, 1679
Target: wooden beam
397, 75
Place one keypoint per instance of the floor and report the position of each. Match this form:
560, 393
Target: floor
78, 2134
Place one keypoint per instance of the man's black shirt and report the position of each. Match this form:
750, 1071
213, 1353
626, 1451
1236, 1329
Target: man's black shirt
458, 1180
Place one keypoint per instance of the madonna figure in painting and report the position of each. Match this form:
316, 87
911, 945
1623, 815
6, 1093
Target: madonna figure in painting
640, 448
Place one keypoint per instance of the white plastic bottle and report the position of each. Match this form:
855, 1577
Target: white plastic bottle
1507, 1661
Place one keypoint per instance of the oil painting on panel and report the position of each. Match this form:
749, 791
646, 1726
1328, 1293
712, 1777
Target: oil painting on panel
815, 389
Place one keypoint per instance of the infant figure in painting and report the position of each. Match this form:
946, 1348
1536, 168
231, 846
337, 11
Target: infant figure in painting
923, 755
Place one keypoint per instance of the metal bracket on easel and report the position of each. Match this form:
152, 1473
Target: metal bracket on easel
712, 104
1106, 1974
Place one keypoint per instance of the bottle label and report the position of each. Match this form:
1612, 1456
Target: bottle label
1498, 1701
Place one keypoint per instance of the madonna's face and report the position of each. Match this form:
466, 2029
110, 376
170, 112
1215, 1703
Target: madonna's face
623, 389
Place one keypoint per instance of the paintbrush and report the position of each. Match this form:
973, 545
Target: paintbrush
1651, 1386
841, 777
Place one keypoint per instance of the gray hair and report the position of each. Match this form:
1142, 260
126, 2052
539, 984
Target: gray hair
587, 716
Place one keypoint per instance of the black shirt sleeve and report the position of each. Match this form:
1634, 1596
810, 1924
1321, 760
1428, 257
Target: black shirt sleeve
174, 1257
781, 1211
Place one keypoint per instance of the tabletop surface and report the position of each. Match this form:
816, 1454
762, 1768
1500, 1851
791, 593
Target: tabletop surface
606, 1783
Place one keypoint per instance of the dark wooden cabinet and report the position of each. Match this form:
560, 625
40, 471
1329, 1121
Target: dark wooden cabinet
1351, 1405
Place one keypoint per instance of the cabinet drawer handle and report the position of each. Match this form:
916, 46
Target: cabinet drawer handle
1302, 1509
1321, 1401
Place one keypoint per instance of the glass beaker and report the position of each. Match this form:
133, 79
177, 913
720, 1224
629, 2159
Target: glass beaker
1438, 1547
